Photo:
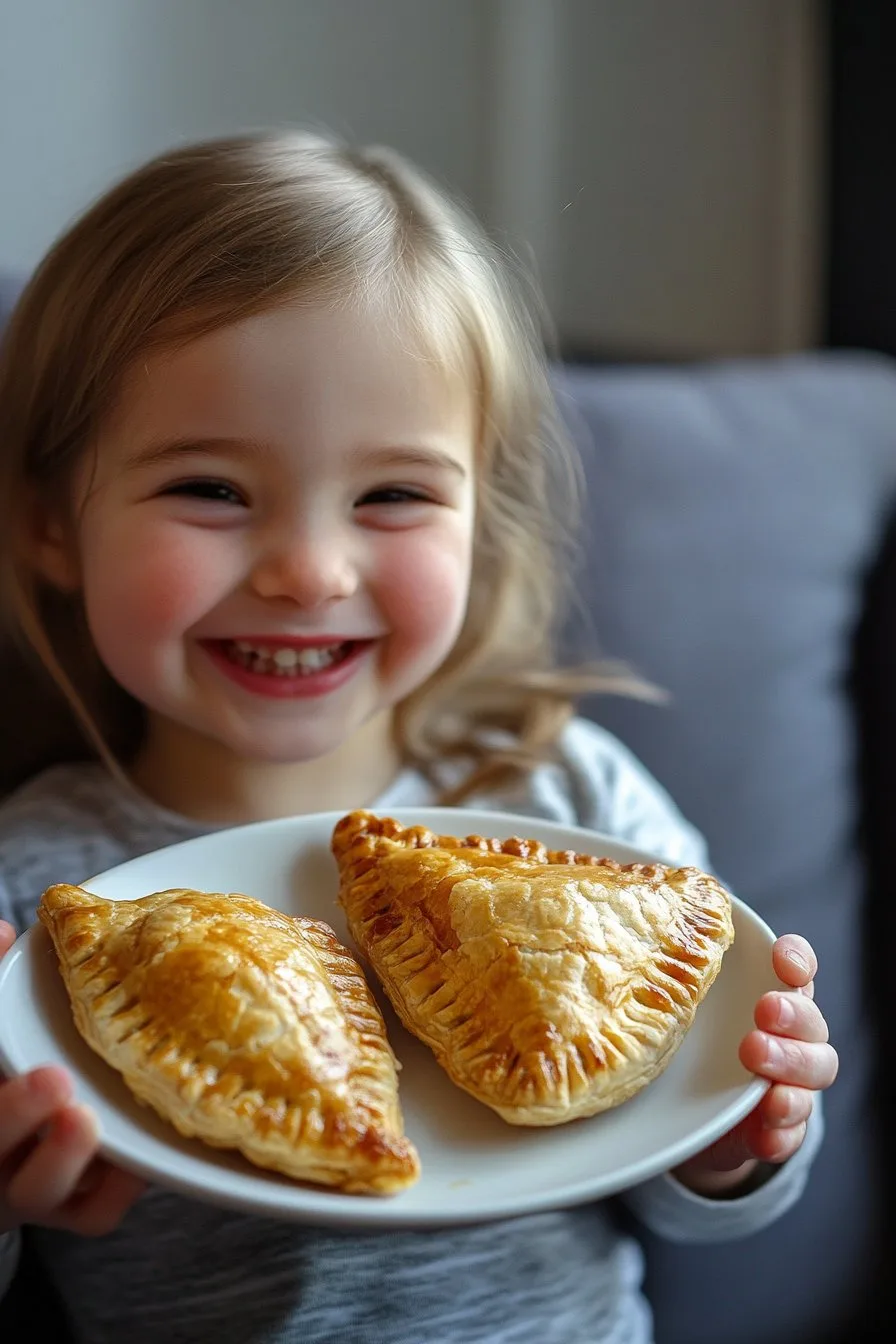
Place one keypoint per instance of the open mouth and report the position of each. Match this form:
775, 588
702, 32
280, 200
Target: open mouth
271, 660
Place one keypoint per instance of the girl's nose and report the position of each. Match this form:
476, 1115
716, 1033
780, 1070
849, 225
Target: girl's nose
311, 571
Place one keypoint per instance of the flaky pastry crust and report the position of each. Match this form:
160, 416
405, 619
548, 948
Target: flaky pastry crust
241, 1026
549, 984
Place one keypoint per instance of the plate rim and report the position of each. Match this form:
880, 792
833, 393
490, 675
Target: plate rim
330, 1208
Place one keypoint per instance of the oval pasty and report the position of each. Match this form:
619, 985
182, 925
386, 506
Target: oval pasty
240, 1026
549, 985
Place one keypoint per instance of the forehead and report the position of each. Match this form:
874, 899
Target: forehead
312, 365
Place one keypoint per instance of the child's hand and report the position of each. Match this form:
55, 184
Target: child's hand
790, 1047
49, 1170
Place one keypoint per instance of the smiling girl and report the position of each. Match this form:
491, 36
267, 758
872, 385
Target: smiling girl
283, 494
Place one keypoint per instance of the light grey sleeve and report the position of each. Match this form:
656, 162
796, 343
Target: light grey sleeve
671, 1211
65, 825
9, 1258
19, 899
24, 859
611, 791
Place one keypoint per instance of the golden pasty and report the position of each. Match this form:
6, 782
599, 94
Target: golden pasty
241, 1026
549, 985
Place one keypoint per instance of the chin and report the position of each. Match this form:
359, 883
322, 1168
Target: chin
267, 748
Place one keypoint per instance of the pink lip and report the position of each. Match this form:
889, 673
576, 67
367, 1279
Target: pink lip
305, 687
291, 641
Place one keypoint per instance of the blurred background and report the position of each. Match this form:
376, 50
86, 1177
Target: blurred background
688, 174
668, 162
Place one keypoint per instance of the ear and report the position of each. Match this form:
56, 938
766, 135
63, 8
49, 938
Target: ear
49, 545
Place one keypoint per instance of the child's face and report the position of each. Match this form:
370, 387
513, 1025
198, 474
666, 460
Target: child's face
275, 541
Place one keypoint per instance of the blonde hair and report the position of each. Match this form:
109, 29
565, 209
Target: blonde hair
211, 233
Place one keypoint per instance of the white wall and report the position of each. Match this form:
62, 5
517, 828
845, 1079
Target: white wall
661, 157
89, 88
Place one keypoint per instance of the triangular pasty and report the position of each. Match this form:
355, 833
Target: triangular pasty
240, 1026
549, 985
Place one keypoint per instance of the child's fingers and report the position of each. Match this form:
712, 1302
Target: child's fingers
777, 1145
797, 1063
28, 1103
794, 961
50, 1172
729, 1152
783, 1106
771, 1133
7, 937
100, 1201
788, 1014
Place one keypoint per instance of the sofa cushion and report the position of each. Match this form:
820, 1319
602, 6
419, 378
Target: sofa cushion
734, 511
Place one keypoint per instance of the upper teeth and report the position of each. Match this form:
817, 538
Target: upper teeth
288, 658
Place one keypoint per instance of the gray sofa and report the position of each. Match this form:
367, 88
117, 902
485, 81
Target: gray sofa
737, 552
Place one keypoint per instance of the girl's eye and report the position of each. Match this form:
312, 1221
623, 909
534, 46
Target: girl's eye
218, 492
394, 495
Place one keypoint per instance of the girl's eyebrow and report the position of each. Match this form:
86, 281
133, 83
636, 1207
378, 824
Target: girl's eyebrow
411, 455
169, 450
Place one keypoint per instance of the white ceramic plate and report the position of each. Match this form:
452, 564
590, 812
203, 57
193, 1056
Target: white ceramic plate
475, 1167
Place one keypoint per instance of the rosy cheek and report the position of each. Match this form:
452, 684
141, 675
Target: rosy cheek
155, 583
423, 587
170, 596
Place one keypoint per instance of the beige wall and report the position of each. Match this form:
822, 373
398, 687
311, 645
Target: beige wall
666, 165
660, 157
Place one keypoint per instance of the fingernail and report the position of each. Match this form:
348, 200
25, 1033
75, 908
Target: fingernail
774, 1053
799, 961
786, 1012
49, 1084
89, 1118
